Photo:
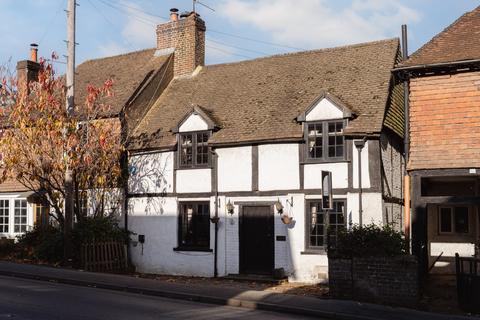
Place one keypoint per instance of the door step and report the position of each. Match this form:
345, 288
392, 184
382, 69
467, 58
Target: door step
256, 278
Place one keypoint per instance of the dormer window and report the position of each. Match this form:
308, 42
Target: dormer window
193, 133
194, 150
325, 140
324, 123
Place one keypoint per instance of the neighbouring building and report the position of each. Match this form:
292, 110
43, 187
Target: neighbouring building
444, 155
133, 74
225, 160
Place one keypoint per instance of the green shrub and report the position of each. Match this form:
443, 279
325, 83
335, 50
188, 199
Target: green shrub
7, 248
369, 241
42, 243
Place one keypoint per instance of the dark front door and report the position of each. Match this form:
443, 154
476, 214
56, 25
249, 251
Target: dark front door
256, 240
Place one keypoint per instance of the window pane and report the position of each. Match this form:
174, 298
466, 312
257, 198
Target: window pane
186, 153
445, 220
4, 215
318, 227
195, 225
461, 219
335, 140
20, 216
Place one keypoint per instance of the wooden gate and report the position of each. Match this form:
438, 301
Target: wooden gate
468, 283
104, 257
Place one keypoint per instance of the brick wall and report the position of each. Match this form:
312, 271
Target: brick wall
380, 280
187, 37
445, 121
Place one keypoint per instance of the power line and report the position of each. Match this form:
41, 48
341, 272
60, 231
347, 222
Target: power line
47, 29
132, 15
109, 22
137, 9
255, 40
240, 48
228, 52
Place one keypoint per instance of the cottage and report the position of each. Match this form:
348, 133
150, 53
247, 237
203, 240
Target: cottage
444, 151
226, 161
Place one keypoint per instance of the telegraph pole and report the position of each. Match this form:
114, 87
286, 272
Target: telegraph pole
70, 104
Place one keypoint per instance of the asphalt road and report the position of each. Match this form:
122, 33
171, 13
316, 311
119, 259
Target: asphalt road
22, 299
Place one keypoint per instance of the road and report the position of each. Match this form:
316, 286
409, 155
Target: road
22, 299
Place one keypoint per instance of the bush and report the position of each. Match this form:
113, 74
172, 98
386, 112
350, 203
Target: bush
43, 243
7, 248
369, 241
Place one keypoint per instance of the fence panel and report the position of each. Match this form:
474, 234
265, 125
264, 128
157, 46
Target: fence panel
109, 256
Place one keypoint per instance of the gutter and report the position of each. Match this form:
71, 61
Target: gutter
434, 65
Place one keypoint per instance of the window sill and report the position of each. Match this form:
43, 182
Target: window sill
314, 252
193, 168
190, 249
324, 161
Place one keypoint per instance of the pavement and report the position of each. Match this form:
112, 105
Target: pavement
224, 296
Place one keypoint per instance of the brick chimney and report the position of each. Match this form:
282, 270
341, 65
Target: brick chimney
185, 36
27, 70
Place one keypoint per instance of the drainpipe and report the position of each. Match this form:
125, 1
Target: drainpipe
360, 144
406, 141
216, 218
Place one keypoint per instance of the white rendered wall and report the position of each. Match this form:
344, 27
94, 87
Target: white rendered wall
157, 219
278, 167
193, 123
151, 173
324, 110
194, 180
313, 175
372, 208
234, 169
365, 166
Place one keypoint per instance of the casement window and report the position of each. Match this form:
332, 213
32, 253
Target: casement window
4, 215
321, 223
20, 216
194, 226
453, 220
325, 141
41, 214
83, 203
193, 149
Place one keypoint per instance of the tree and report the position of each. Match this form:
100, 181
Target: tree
40, 140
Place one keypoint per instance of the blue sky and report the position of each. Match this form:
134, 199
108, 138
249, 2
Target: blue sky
109, 27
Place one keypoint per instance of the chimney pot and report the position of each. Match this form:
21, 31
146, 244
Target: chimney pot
174, 14
34, 52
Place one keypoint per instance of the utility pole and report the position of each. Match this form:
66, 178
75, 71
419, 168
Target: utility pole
70, 104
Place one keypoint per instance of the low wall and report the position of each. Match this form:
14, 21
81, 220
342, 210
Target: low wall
380, 280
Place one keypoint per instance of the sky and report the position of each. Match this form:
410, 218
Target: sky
110, 27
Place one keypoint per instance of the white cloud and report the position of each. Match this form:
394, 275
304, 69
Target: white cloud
139, 30
316, 23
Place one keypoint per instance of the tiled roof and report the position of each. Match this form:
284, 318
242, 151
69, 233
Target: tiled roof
258, 100
128, 72
458, 42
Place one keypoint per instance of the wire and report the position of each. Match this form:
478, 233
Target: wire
240, 48
137, 9
132, 15
228, 52
47, 29
110, 22
255, 40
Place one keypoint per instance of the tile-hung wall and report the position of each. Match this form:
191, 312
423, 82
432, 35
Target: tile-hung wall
16, 216
247, 175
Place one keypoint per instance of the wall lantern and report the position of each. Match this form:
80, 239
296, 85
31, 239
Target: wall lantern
230, 207
279, 206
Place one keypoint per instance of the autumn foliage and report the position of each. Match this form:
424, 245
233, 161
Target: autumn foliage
40, 140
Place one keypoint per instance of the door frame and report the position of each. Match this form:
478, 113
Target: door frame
241, 206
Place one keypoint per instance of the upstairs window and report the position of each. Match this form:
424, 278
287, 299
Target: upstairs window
453, 220
325, 141
193, 149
